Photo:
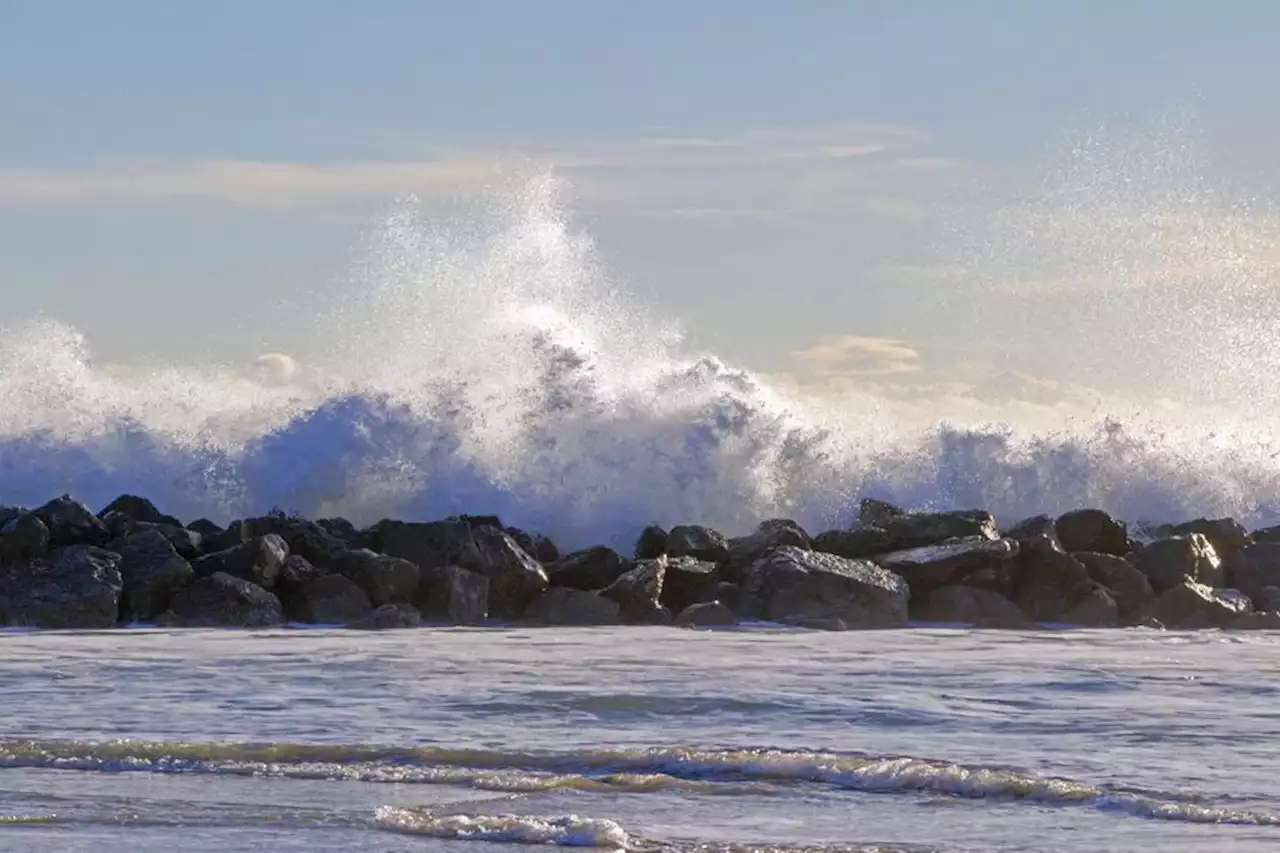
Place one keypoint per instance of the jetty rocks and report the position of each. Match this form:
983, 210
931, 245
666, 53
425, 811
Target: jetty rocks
63, 566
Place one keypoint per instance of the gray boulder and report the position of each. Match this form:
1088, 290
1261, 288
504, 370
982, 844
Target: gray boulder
1226, 535
790, 583
386, 580
639, 592
694, 540
223, 600
1128, 586
972, 561
1168, 561
455, 595
651, 543
260, 561
562, 605
388, 617
137, 509
1191, 606
23, 537
588, 569
328, 600
857, 543
152, 570
969, 605
1254, 567
1095, 609
1092, 530
706, 614
72, 523
684, 581
78, 588
1050, 582
745, 550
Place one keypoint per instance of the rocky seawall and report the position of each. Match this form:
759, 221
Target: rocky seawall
62, 566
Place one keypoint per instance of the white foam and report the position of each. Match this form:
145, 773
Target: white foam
564, 831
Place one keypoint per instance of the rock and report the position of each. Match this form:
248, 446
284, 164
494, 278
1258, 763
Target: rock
972, 561
455, 595
1259, 621
724, 592
1267, 598
24, 537
1095, 609
535, 545
877, 513
1226, 535
791, 583
295, 572
917, 529
816, 623
693, 540
428, 545
152, 571
9, 513
1167, 561
344, 531
137, 509
79, 588
1092, 530
1032, 528
1128, 586
639, 592
1254, 567
969, 604
237, 533
386, 580
388, 617
1191, 606
706, 614
590, 568
72, 523
515, 578
1266, 534
187, 543
858, 543
745, 550
684, 581
562, 605
205, 528
222, 600
1050, 582
259, 561
305, 538
652, 543
328, 600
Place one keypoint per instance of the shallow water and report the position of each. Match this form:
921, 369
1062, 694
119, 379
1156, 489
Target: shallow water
642, 738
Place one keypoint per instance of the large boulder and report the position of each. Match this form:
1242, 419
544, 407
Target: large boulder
23, 537
972, 561
455, 595
137, 509
591, 568
790, 583
562, 605
72, 523
916, 529
223, 600
1191, 606
1168, 561
384, 579
1049, 582
259, 561
1254, 567
724, 592
78, 588
745, 550
308, 539
639, 592
651, 543
1092, 530
685, 579
388, 617
344, 531
327, 600
694, 540
856, 543
1095, 609
152, 571
706, 614
1128, 586
535, 545
1226, 535
969, 605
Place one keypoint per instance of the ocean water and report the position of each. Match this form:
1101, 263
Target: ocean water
639, 739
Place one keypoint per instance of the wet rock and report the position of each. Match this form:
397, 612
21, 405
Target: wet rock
1254, 567
706, 614
562, 605
428, 545
1257, 621
535, 545
295, 572
588, 569
328, 600
78, 588
152, 571
1191, 606
859, 543
1032, 528
973, 561
1092, 530
877, 513
24, 537
305, 538
237, 533
1095, 609
1128, 586
1226, 535
259, 561
455, 595
701, 543
652, 543
72, 523
222, 600
388, 617
515, 578
684, 582
384, 579
968, 605
136, 509
918, 529
791, 583
188, 543
639, 592
1266, 534
9, 513
1050, 582
815, 623
205, 528
1267, 598
345, 532
1168, 561
745, 550
722, 591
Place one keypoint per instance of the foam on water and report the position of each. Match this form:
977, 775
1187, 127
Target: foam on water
494, 366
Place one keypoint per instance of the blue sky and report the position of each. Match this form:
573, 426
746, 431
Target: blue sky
771, 172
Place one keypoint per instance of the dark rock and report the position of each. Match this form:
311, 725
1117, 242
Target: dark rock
590, 568
535, 545
474, 521
205, 528
79, 588
223, 600
1226, 535
186, 542
151, 570
745, 550
9, 513
652, 543
295, 572
684, 581
877, 513
344, 531
972, 561
706, 614
385, 579
1266, 534
1092, 530
1032, 528
1257, 621
1168, 561
455, 595
791, 583
305, 538
816, 623
562, 605
1128, 586
72, 523
1095, 609
259, 561
429, 545
1191, 606
1050, 582
917, 529
969, 604
1267, 598
236, 534
858, 543
639, 592
1254, 567
388, 617
694, 540
724, 592
137, 509
515, 578
23, 537
328, 600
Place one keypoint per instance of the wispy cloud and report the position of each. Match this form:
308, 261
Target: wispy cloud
857, 355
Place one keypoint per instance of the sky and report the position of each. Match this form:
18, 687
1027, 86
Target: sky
827, 191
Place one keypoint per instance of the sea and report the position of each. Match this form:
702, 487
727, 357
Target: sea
495, 363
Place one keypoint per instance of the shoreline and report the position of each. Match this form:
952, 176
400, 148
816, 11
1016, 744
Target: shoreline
131, 567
